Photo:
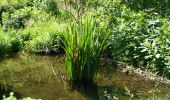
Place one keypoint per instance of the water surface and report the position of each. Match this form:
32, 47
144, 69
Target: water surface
33, 76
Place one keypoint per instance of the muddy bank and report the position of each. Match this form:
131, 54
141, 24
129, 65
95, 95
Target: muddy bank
145, 74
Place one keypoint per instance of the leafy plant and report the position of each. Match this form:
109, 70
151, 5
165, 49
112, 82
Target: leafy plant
41, 38
13, 15
136, 37
4, 44
12, 97
9, 43
154, 6
49, 6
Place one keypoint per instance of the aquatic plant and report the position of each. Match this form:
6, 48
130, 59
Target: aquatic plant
84, 46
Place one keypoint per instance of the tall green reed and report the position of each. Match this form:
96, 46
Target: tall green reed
84, 46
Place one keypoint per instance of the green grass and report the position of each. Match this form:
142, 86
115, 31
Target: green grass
84, 47
42, 37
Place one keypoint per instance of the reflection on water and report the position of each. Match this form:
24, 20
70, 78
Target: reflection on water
32, 76
87, 89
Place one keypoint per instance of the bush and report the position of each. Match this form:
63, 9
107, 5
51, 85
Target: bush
9, 43
154, 6
137, 37
15, 13
16, 19
49, 6
4, 44
47, 43
42, 38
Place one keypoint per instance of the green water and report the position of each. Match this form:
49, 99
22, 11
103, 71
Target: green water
33, 76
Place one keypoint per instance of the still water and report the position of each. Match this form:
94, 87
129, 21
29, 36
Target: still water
33, 76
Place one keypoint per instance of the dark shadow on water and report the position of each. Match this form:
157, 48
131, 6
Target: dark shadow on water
10, 55
4, 90
87, 89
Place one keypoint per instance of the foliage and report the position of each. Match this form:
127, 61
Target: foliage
154, 6
137, 37
12, 97
15, 19
4, 44
38, 38
41, 38
15, 14
83, 51
77, 9
9, 43
49, 6
139, 30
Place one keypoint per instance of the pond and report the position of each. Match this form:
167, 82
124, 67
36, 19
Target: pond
44, 77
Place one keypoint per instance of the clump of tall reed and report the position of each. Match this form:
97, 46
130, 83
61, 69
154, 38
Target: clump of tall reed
84, 46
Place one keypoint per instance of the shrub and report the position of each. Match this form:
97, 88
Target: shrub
9, 43
136, 37
15, 13
15, 18
154, 6
4, 44
49, 6
43, 37
47, 43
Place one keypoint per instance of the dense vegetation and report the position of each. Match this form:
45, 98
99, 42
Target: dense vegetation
139, 38
139, 32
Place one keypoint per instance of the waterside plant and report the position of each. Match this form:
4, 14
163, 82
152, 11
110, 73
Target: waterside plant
84, 46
